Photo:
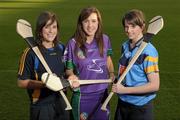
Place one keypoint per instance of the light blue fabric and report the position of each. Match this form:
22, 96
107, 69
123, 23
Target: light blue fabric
138, 73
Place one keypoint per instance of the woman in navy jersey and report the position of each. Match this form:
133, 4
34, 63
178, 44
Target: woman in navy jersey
44, 103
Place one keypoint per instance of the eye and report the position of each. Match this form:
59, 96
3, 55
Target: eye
94, 21
133, 26
125, 27
54, 26
85, 21
46, 27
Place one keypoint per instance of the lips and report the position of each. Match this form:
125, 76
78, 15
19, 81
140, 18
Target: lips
50, 35
90, 32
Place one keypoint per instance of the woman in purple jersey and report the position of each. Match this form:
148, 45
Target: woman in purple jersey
88, 56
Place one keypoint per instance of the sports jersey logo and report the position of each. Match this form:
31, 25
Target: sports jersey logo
128, 54
96, 65
80, 54
121, 69
92, 49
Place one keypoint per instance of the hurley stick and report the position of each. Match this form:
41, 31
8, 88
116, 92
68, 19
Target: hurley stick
55, 83
24, 29
155, 25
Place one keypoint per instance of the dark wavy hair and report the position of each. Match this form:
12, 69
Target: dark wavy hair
42, 20
80, 35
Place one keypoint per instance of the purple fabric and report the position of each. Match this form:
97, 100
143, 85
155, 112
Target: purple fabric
91, 107
91, 67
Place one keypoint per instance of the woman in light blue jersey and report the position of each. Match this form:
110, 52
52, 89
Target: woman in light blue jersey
142, 81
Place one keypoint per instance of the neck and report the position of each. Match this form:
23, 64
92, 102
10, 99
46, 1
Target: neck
134, 41
89, 39
48, 44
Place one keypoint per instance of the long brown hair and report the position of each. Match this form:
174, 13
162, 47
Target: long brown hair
42, 20
134, 17
80, 35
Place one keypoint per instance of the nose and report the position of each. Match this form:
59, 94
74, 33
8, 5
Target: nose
50, 30
127, 29
89, 24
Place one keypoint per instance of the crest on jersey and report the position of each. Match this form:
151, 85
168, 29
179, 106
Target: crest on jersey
80, 54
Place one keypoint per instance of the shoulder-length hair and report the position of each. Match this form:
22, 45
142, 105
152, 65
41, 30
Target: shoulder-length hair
42, 20
80, 35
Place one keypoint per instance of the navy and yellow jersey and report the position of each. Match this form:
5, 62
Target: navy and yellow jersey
31, 68
146, 63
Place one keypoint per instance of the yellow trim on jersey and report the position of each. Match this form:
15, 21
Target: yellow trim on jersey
151, 59
36, 92
153, 68
22, 60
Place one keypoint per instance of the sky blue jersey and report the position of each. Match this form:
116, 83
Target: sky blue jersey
146, 63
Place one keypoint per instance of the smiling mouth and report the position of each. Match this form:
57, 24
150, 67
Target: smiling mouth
90, 30
50, 35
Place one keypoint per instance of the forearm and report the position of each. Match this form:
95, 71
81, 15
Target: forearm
110, 64
110, 67
151, 86
147, 88
30, 84
69, 72
73, 79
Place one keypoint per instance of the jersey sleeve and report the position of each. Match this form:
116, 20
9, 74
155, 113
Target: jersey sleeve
151, 61
62, 47
26, 65
123, 61
108, 44
69, 55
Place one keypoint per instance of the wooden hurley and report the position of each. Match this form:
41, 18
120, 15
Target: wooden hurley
155, 25
55, 83
24, 29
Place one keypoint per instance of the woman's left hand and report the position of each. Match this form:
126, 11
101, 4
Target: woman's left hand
118, 88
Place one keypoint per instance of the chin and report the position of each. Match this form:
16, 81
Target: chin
130, 37
51, 39
91, 34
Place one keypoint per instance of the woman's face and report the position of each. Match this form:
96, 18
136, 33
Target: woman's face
134, 32
49, 31
90, 25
